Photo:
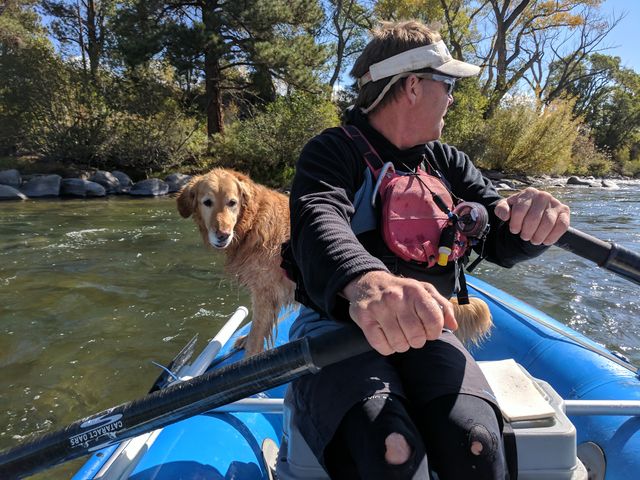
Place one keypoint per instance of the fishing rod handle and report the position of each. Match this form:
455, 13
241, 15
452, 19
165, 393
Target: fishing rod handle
608, 255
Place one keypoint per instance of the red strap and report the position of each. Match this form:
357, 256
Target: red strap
366, 149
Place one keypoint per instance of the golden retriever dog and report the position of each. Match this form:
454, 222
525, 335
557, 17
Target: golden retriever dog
249, 222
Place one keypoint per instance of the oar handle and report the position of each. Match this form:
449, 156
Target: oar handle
247, 377
608, 255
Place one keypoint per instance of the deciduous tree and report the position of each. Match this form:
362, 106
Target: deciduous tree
346, 27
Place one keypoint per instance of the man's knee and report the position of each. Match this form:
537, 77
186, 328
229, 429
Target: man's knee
466, 428
397, 450
482, 442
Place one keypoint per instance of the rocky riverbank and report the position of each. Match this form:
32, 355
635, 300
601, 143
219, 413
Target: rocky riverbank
504, 181
14, 186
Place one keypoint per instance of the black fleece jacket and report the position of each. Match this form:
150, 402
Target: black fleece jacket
330, 171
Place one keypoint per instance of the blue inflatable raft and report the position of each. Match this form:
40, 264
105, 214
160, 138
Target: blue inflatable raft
599, 391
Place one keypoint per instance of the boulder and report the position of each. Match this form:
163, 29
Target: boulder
10, 177
124, 179
504, 185
107, 180
77, 187
577, 181
95, 190
42, 186
609, 184
9, 193
493, 174
151, 187
176, 181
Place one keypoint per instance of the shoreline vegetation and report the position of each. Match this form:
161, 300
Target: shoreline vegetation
153, 88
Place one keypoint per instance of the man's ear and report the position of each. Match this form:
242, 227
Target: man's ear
187, 198
411, 89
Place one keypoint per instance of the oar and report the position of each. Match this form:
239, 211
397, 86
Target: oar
608, 255
239, 380
183, 400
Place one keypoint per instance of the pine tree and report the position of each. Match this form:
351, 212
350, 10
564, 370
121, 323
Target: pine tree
241, 46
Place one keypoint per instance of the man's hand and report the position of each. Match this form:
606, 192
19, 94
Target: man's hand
397, 313
537, 216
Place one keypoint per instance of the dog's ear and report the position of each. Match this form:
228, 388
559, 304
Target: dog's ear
187, 198
244, 184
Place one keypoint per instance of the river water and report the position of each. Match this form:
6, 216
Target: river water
91, 292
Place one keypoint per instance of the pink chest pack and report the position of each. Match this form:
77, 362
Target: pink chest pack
421, 222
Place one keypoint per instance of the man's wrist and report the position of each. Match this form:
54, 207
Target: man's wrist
357, 287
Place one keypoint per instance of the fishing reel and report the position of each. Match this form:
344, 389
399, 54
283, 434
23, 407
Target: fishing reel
472, 219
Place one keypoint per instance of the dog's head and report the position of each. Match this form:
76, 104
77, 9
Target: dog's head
217, 201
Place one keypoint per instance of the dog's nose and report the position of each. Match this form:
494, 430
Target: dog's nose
222, 236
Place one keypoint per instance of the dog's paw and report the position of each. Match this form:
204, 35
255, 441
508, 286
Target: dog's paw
241, 342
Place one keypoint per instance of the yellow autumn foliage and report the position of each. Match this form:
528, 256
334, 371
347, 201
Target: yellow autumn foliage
519, 139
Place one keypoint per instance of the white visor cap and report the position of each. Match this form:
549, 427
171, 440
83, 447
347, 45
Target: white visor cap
435, 56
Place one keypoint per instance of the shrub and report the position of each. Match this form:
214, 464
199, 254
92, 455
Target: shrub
627, 159
518, 139
29, 72
267, 146
142, 144
587, 158
71, 127
464, 120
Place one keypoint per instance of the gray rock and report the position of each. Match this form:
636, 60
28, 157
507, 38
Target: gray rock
176, 181
107, 180
493, 174
505, 185
9, 193
124, 179
77, 187
577, 181
610, 184
10, 177
151, 187
95, 190
42, 186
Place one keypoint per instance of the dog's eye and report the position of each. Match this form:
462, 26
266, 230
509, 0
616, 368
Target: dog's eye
232, 203
207, 202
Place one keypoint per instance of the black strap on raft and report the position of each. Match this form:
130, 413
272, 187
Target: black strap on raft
462, 292
510, 450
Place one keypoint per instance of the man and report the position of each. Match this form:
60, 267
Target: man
419, 401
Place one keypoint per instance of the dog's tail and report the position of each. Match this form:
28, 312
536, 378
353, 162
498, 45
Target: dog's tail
474, 320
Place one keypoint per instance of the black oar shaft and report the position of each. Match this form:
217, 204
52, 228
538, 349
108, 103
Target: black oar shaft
177, 402
610, 256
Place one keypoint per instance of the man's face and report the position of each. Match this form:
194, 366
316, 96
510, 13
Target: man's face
432, 104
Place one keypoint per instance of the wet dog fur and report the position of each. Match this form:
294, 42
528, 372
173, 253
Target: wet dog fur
248, 222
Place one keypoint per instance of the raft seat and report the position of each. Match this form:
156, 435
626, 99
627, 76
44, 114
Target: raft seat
545, 437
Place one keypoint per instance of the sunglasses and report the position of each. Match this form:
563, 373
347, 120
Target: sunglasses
450, 82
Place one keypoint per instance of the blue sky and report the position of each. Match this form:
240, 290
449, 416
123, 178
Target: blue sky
625, 38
